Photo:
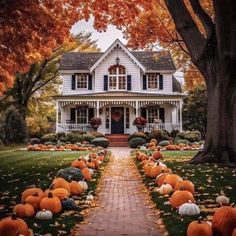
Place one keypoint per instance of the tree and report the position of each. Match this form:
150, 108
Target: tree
195, 110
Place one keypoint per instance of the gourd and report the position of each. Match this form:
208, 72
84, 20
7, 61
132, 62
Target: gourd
31, 191
222, 199
187, 184
75, 188
70, 173
84, 185
79, 163
172, 179
90, 164
156, 170
60, 183
157, 155
86, 173
189, 209
160, 178
61, 193
180, 197
51, 203
147, 168
91, 171
12, 226
69, 204
224, 220
34, 200
24, 210
89, 197
165, 189
199, 228
44, 215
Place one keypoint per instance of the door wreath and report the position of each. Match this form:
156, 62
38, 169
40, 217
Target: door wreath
116, 114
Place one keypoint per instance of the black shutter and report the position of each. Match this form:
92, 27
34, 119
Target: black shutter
162, 114
73, 82
91, 113
90, 82
105, 85
161, 82
144, 82
144, 113
129, 86
72, 115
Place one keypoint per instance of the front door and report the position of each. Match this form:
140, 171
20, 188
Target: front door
117, 120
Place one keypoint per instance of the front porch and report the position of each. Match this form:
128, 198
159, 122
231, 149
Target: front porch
118, 113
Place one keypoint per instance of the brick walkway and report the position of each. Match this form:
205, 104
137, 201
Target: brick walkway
121, 199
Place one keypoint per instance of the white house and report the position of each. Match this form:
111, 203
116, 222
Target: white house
117, 86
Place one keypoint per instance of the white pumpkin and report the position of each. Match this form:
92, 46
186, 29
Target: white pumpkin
165, 189
44, 215
162, 164
222, 199
89, 197
91, 171
84, 185
143, 148
86, 158
189, 209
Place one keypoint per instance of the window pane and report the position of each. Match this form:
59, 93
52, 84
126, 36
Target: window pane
82, 80
121, 70
152, 114
112, 83
122, 82
81, 115
152, 81
112, 70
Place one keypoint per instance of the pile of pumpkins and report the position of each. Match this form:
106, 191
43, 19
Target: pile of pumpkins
35, 202
181, 192
50, 147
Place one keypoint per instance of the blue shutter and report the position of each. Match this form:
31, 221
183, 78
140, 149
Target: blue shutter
162, 114
90, 82
72, 115
73, 79
144, 82
161, 82
105, 85
129, 85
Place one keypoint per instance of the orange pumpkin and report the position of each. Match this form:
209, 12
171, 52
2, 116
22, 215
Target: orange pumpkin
78, 164
187, 184
180, 197
86, 173
234, 232
60, 183
24, 210
12, 226
90, 164
100, 158
31, 191
93, 155
34, 200
156, 170
199, 228
172, 179
224, 221
61, 193
157, 155
152, 144
160, 179
96, 163
51, 203
75, 188
147, 168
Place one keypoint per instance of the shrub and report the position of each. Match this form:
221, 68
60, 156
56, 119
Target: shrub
159, 135
51, 137
35, 141
74, 137
61, 135
88, 137
97, 134
174, 133
191, 136
138, 134
102, 142
137, 141
178, 141
164, 143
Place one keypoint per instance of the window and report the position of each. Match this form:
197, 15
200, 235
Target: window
127, 118
107, 118
152, 81
117, 77
153, 113
82, 81
82, 116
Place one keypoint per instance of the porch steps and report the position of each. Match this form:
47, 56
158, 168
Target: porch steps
118, 140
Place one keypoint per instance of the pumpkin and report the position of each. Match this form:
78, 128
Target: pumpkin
189, 209
143, 156
91, 171
60, 183
12, 226
160, 178
34, 200
61, 193
199, 228
84, 185
89, 197
75, 188
147, 168
93, 155
69, 204
187, 184
152, 144
70, 173
224, 221
234, 232
44, 215
31, 191
24, 210
157, 155
86, 173
165, 189
51, 203
96, 163
180, 197
172, 179
153, 140
78, 164
156, 170
100, 158
222, 199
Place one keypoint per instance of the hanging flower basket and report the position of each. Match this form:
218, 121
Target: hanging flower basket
95, 122
140, 123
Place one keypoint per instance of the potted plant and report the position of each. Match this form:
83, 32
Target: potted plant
140, 122
95, 122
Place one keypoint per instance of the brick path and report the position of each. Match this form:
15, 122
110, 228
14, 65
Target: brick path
122, 209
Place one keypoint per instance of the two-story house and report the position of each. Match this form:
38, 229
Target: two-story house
117, 86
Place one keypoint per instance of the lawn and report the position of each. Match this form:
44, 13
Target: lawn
21, 169
209, 179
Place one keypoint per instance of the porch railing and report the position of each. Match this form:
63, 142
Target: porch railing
65, 127
162, 126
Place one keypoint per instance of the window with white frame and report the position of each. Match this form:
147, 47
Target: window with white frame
82, 116
117, 77
82, 81
152, 81
153, 113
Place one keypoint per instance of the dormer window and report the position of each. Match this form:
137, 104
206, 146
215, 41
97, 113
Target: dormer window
82, 81
152, 81
117, 78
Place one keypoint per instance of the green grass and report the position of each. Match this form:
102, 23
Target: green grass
20, 169
209, 179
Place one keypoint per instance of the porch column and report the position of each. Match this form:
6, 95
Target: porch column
57, 117
97, 112
180, 115
136, 108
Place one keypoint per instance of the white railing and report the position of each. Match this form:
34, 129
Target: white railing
162, 126
64, 127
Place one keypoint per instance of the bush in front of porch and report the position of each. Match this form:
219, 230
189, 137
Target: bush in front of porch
136, 142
